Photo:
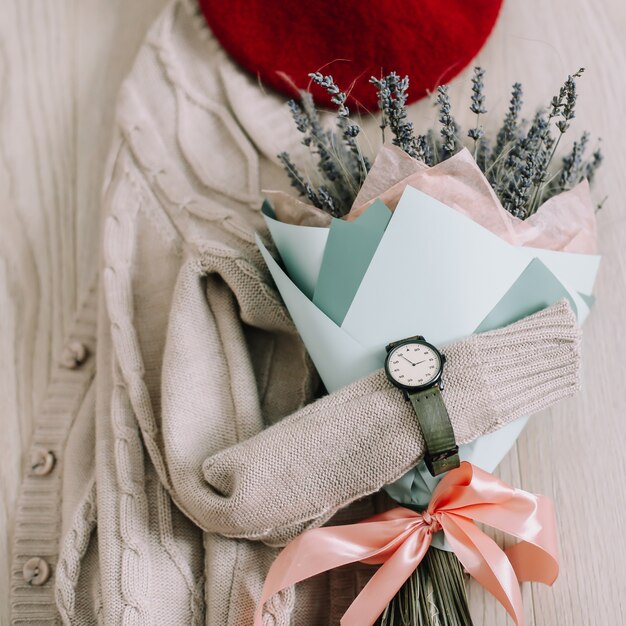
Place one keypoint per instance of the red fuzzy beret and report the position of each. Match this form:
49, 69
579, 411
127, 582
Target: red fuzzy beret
430, 40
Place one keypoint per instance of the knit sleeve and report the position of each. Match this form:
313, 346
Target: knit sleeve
297, 473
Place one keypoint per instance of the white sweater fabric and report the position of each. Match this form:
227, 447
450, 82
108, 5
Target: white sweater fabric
182, 441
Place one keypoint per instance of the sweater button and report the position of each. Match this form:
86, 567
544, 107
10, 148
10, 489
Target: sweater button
41, 461
74, 355
36, 571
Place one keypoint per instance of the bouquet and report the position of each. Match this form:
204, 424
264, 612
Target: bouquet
445, 240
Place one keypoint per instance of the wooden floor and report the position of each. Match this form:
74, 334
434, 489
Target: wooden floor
61, 62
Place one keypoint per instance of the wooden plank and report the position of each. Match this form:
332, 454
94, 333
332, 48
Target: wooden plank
61, 63
574, 452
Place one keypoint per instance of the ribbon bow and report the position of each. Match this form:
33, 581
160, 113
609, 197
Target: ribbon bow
399, 539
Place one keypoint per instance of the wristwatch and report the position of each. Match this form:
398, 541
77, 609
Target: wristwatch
416, 367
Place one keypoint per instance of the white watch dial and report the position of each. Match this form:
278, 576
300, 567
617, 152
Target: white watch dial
413, 364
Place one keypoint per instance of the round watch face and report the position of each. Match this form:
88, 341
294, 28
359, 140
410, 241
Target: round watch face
414, 364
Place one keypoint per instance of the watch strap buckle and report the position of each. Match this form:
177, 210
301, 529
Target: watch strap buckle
443, 462
393, 344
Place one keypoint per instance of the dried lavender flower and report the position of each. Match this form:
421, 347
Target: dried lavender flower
572, 170
475, 133
338, 97
328, 202
315, 137
478, 97
592, 166
517, 193
315, 125
295, 177
540, 141
392, 97
321, 198
448, 125
483, 153
311, 196
477, 106
562, 108
423, 149
358, 164
510, 126
567, 97
300, 119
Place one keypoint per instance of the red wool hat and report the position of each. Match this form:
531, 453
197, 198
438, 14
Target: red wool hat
430, 40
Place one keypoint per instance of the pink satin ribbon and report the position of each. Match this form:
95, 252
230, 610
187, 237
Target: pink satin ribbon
399, 539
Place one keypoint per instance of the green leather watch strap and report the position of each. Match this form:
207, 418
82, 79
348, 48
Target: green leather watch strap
393, 344
442, 453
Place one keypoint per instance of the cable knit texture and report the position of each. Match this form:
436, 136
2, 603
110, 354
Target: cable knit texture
202, 446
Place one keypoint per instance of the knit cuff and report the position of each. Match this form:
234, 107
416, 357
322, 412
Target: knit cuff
495, 377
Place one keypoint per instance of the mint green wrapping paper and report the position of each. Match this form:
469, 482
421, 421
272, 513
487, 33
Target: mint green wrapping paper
432, 271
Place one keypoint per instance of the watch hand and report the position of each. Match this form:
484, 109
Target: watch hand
407, 360
424, 361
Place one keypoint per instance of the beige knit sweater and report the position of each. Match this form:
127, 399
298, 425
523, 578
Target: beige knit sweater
160, 486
